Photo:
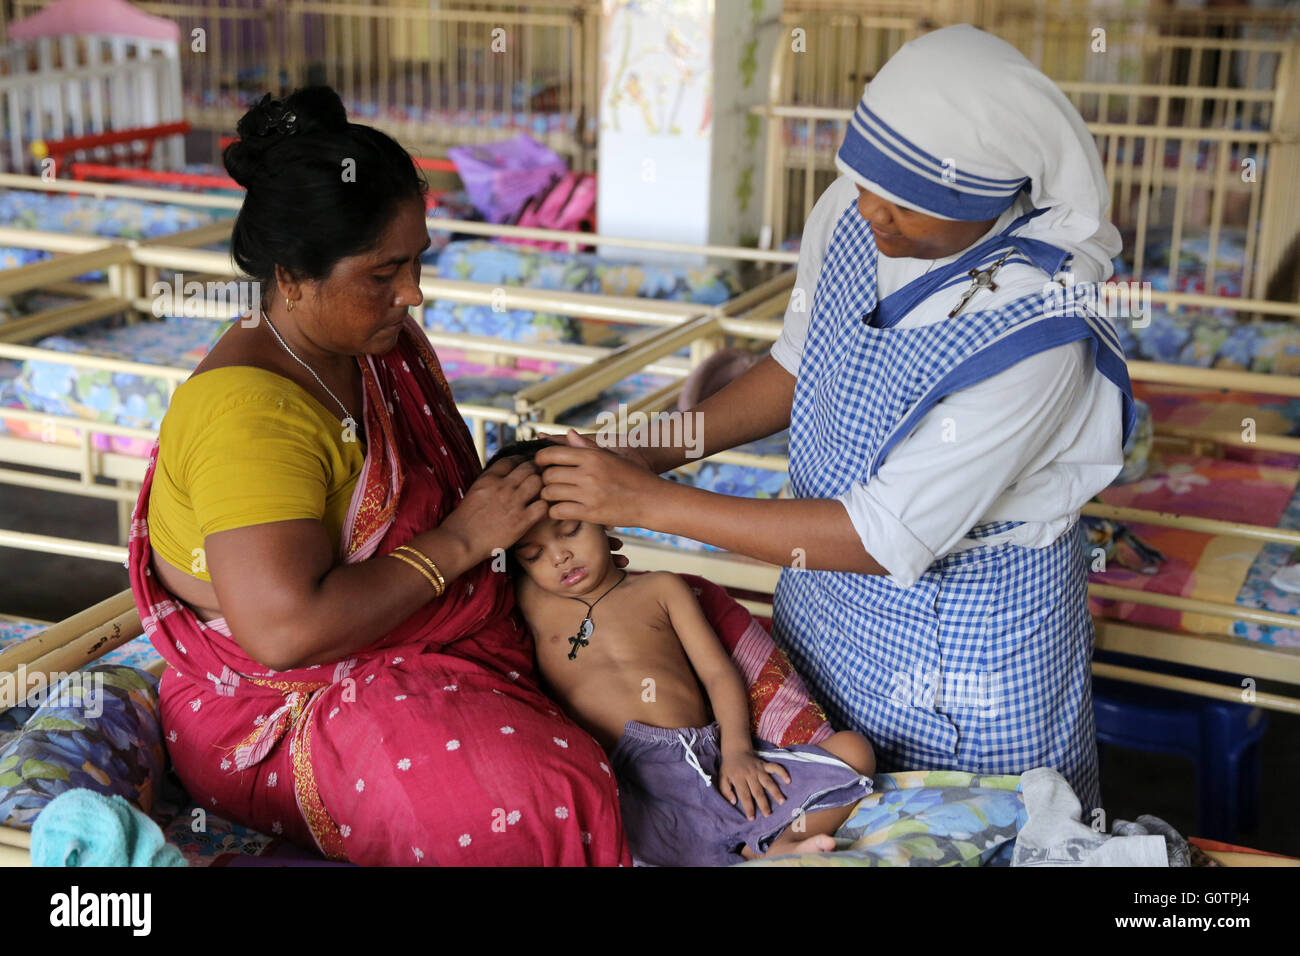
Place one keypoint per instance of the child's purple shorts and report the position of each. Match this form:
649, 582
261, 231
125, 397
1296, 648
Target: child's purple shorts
675, 817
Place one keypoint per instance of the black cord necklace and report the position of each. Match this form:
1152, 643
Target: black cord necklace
587, 627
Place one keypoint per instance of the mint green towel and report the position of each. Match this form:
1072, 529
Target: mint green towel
84, 828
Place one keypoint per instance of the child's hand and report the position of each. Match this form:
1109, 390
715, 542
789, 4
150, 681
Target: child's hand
742, 776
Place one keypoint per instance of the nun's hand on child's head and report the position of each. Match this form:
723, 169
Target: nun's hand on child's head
589, 483
635, 455
616, 544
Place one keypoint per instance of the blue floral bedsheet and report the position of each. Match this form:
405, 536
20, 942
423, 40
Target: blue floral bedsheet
509, 265
137, 401
926, 818
86, 215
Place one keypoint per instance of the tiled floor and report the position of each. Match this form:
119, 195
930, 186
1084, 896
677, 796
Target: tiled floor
42, 586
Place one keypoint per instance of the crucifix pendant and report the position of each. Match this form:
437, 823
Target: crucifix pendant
582, 638
980, 279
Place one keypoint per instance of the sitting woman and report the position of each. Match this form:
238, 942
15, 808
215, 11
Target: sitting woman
345, 668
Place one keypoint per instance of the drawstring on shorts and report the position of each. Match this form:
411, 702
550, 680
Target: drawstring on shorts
693, 760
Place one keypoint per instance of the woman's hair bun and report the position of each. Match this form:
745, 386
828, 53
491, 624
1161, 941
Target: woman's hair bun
310, 111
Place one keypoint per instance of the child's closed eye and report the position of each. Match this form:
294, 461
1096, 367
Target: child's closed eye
577, 526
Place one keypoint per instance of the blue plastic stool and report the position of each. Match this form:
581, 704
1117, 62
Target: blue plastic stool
1219, 737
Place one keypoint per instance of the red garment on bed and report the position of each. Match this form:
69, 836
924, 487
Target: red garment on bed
433, 745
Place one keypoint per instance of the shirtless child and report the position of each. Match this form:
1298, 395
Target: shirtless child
635, 662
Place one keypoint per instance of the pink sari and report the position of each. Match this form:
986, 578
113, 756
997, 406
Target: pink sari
434, 744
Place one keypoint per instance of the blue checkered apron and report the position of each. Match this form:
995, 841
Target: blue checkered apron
984, 663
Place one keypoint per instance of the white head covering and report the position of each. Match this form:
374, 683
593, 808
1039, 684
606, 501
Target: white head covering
958, 121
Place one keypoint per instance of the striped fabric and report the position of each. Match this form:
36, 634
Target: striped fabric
900, 167
780, 709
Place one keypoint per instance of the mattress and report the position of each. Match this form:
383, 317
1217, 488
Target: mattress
1217, 568
510, 265
1214, 338
140, 401
98, 395
1194, 259
1188, 276
87, 215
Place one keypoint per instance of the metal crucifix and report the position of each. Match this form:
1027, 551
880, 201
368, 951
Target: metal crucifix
980, 279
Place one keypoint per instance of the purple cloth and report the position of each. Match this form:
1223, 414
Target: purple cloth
674, 818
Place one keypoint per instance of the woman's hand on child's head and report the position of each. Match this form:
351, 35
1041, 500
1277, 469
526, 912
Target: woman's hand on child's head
748, 782
584, 481
498, 508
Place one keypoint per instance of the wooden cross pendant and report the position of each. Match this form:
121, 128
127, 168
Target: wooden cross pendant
980, 279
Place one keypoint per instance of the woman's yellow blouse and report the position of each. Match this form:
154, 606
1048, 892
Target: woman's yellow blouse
242, 446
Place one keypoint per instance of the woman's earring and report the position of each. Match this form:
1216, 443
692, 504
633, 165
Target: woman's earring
288, 305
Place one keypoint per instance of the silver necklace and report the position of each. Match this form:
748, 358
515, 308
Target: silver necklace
347, 416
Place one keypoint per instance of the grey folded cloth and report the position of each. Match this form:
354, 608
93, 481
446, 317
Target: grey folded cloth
1147, 825
1055, 836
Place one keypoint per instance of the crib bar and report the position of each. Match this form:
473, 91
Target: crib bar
50, 545
1190, 523
1216, 652
38, 457
58, 319
470, 227
53, 241
583, 384
1237, 304
116, 190
206, 235
12, 839
67, 630
62, 267
94, 361
1188, 605
99, 428
1187, 685
1284, 444
84, 649
579, 304
1206, 378
760, 327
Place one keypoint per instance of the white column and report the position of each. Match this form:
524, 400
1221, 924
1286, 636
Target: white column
679, 154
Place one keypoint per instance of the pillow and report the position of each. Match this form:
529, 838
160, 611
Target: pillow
99, 729
780, 708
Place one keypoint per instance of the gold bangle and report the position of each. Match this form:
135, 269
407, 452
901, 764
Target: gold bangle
427, 576
428, 563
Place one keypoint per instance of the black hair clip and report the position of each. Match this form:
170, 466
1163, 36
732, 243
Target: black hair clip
275, 117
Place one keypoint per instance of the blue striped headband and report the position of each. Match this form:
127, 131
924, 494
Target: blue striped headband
877, 153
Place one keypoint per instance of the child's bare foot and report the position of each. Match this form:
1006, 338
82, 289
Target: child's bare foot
821, 843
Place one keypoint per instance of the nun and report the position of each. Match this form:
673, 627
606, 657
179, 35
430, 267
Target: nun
951, 405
